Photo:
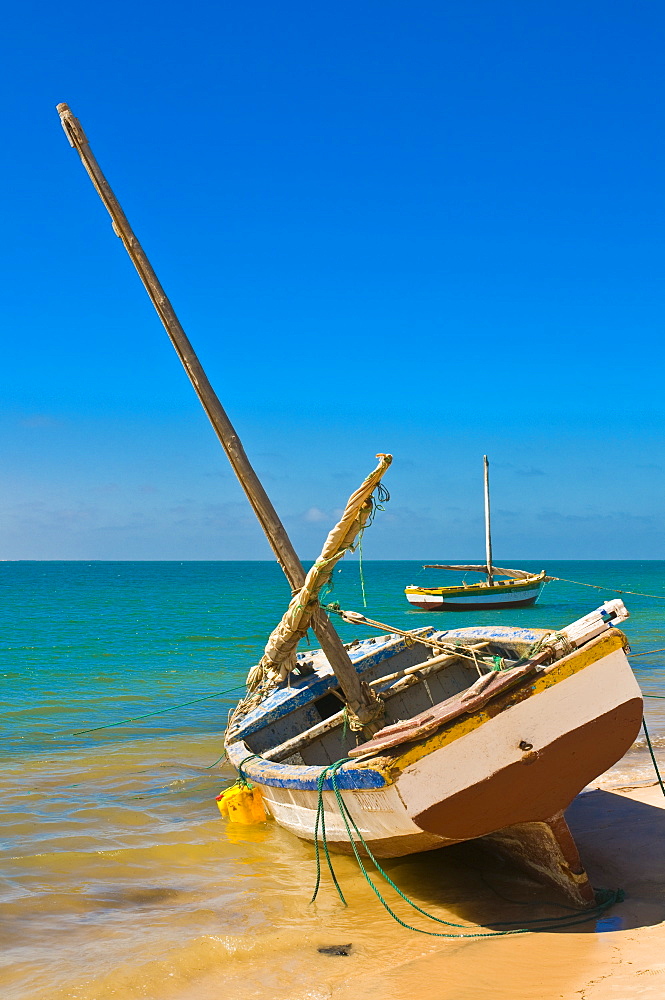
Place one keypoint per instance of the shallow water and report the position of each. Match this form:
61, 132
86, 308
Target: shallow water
119, 877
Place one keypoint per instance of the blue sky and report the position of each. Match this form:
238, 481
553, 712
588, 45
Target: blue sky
433, 229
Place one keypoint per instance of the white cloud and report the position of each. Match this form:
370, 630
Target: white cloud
314, 514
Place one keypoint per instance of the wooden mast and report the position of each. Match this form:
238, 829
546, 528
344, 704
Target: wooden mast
357, 695
488, 533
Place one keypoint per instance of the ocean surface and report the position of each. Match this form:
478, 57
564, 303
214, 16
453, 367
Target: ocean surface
119, 877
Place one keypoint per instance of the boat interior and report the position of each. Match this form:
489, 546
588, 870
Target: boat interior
303, 720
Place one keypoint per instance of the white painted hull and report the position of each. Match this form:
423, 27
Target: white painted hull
489, 597
394, 819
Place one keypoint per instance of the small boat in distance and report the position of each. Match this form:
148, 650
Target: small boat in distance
518, 591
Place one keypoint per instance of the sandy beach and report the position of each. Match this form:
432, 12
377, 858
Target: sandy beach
156, 936
621, 835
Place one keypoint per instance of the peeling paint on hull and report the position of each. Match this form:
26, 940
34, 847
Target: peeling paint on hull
473, 778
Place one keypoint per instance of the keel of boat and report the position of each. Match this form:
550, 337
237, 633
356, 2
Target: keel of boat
546, 851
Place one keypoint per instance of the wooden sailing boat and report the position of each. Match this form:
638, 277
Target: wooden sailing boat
467, 751
431, 737
519, 590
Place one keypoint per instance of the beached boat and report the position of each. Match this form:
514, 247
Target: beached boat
489, 733
483, 733
519, 590
428, 738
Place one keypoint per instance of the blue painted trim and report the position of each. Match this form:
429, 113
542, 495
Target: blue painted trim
301, 777
286, 699
502, 632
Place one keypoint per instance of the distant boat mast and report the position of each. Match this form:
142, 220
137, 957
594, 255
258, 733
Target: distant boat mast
488, 533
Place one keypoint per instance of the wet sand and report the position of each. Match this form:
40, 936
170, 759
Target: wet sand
621, 955
125, 884
621, 835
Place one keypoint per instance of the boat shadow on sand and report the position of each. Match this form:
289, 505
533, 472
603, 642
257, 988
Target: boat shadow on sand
622, 843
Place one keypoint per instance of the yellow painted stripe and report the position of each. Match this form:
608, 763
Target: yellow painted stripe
559, 671
475, 588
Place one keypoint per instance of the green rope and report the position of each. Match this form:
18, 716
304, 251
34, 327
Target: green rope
648, 652
206, 767
148, 715
242, 777
382, 497
653, 756
376, 504
360, 569
553, 923
321, 821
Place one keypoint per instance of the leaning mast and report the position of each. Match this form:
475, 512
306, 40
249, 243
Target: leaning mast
357, 696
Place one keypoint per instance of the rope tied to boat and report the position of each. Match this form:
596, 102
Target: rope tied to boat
612, 590
382, 497
606, 898
439, 646
242, 777
358, 717
160, 711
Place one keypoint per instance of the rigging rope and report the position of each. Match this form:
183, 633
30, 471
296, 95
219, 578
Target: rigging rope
455, 648
382, 497
653, 756
612, 590
161, 711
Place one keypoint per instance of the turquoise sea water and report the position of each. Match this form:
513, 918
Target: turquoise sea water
85, 644
120, 879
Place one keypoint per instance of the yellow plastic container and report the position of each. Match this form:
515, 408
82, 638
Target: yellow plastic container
242, 803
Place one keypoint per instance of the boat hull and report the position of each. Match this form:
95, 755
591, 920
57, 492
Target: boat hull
477, 597
442, 603
505, 775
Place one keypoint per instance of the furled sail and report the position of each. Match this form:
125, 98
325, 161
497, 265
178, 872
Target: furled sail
514, 574
279, 657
